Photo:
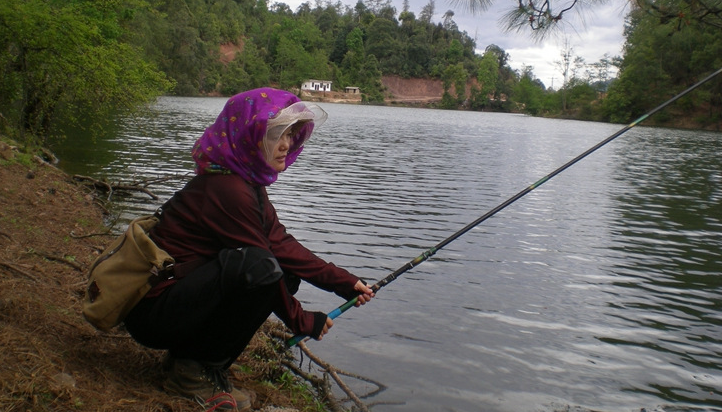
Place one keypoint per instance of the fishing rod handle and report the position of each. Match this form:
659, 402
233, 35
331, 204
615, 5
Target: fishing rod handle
332, 315
375, 288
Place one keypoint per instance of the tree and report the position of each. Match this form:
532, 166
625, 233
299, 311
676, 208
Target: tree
354, 58
449, 23
455, 53
599, 73
381, 41
488, 77
418, 54
299, 53
543, 17
254, 72
528, 93
375, 6
662, 58
61, 60
427, 12
564, 65
502, 56
361, 10
369, 78
681, 12
506, 75
454, 75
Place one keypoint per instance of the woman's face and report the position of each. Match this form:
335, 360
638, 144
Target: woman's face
275, 150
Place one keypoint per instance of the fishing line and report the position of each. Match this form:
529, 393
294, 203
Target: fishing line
430, 252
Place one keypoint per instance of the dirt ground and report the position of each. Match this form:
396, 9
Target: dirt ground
412, 91
50, 358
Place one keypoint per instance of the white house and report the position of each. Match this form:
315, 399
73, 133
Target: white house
317, 85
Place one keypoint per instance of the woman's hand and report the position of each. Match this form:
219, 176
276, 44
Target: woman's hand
366, 293
326, 327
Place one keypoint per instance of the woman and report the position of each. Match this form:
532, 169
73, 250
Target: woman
235, 263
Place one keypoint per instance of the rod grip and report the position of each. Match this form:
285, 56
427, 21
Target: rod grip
332, 315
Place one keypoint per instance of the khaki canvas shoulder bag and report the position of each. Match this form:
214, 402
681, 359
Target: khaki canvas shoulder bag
120, 277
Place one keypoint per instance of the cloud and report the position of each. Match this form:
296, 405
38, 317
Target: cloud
592, 33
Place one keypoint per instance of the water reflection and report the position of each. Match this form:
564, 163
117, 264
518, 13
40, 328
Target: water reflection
668, 232
600, 290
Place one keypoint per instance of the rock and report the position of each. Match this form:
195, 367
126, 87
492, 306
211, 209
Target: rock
62, 382
6, 152
276, 409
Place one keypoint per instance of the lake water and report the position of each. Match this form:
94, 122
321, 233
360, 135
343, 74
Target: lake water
599, 290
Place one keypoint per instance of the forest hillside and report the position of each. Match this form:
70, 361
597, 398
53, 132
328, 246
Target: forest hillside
81, 62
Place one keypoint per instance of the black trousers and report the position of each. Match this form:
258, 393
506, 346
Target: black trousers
209, 315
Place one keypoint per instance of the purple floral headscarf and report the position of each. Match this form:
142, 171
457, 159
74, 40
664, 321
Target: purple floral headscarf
233, 142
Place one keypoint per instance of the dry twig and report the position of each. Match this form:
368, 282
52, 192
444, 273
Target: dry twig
333, 372
20, 271
60, 259
112, 188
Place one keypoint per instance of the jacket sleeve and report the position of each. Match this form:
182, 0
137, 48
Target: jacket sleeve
235, 215
297, 260
300, 321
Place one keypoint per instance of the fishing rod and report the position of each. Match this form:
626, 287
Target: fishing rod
430, 252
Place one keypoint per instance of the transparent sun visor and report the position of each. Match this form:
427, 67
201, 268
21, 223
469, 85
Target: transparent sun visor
295, 114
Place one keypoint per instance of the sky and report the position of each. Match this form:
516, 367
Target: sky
592, 33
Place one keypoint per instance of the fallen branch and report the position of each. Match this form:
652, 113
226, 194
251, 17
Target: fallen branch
112, 188
106, 233
130, 188
60, 259
334, 373
151, 181
322, 385
20, 271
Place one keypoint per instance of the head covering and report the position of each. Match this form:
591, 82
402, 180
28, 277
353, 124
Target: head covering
234, 142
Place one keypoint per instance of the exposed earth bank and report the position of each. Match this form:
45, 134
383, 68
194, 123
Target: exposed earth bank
399, 91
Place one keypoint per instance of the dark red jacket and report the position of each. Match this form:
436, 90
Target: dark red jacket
222, 211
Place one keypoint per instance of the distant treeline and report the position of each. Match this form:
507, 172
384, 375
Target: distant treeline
61, 58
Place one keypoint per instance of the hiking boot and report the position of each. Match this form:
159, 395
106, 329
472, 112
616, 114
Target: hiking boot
207, 383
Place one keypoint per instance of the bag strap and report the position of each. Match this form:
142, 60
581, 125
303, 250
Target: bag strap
261, 205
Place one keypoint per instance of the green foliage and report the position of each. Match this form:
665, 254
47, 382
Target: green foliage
488, 77
354, 58
528, 93
455, 53
298, 389
456, 76
661, 60
381, 42
580, 99
370, 81
61, 60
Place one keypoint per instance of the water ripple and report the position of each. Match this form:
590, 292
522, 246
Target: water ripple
599, 290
